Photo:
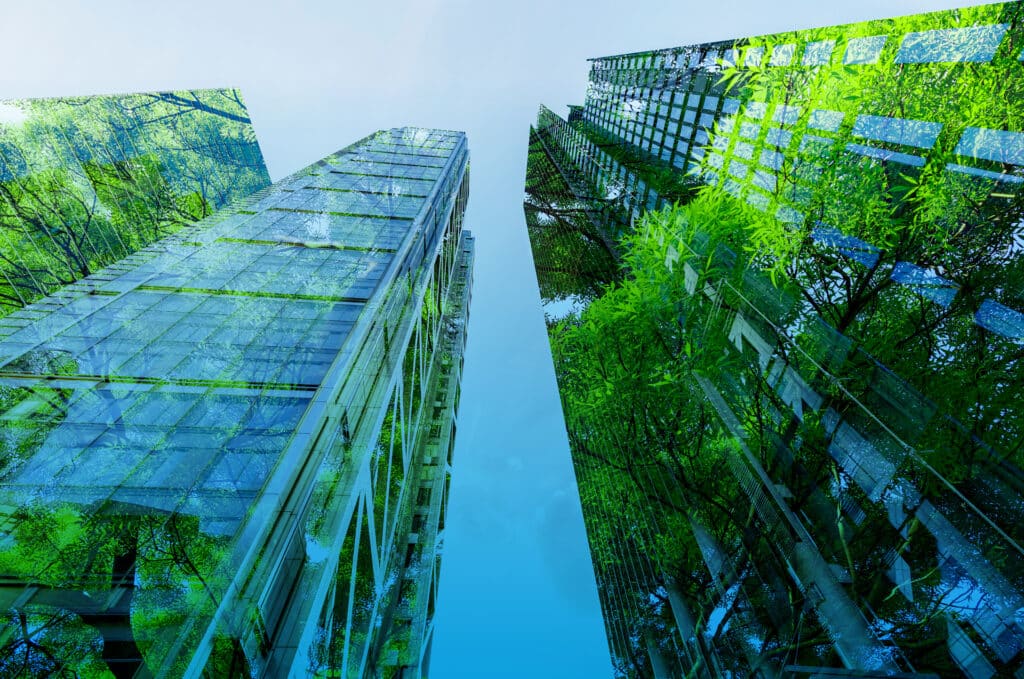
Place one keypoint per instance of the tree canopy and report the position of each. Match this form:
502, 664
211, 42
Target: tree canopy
87, 181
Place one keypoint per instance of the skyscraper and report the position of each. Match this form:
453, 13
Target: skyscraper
795, 413
85, 181
227, 453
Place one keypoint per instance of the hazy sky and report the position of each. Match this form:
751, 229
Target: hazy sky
517, 596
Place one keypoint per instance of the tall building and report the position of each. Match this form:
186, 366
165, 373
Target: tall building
86, 181
227, 453
795, 407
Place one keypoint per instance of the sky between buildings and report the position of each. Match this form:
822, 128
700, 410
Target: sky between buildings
517, 593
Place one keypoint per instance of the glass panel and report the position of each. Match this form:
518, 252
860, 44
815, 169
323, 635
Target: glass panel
918, 133
864, 50
978, 44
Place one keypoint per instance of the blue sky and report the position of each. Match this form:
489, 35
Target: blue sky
517, 596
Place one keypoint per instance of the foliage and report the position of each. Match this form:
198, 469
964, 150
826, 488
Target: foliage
87, 181
650, 449
49, 642
647, 449
962, 229
818, 348
574, 255
881, 203
160, 566
670, 184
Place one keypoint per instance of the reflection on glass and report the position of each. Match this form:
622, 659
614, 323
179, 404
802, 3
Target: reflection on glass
215, 451
85, 181
795, 414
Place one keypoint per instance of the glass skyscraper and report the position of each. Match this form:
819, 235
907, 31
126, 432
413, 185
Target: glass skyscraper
795, 406
85, 181
227, 453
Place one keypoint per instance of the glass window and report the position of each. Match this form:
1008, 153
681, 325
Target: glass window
756, 109
864, 50
987, 174
977, 44
849, 246
765, 180
781, 138
753, 57
925, 282
782, 55
749, 130
772, 159
743, 150
920, 133
787, 115
996, 145
818, 53
829, 121
1000, 319
884, 154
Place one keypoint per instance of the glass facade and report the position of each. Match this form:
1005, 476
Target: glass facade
572, 228
86, 181
795, 415
227, 453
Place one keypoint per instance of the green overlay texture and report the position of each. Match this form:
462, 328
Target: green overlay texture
784, 289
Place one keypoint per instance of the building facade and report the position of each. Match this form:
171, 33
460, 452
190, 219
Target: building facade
86, 181
227, 454
795, 414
